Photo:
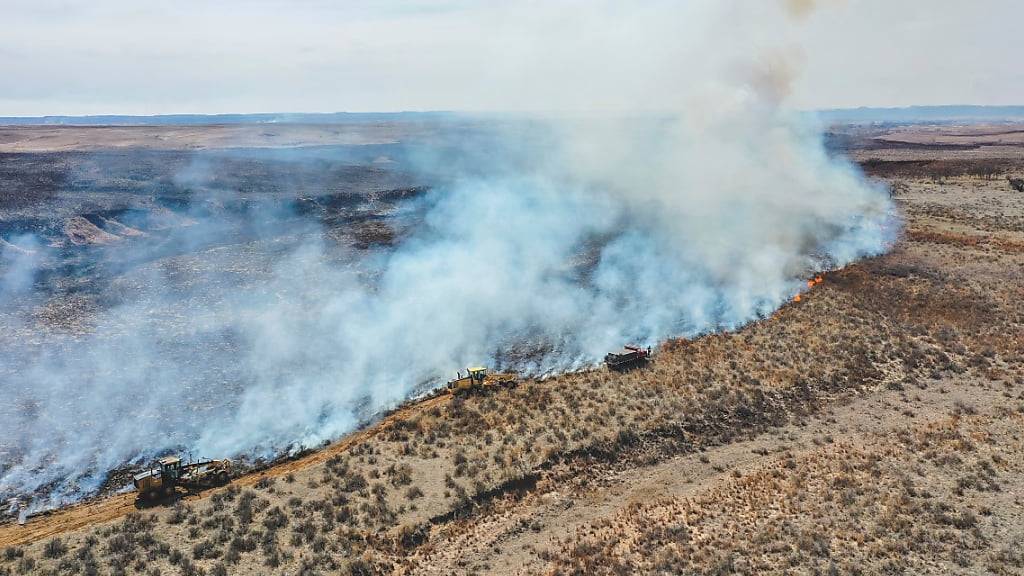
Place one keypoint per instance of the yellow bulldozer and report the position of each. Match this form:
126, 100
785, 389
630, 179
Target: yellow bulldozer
478, 379
170, 472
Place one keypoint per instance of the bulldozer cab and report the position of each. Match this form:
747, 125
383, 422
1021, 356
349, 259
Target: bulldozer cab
170, 466
170, 463
474, 378
478, 379
159, 479
171, 472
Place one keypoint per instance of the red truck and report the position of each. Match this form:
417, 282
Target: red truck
628, 357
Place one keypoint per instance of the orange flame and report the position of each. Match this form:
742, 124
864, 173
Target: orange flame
810, 284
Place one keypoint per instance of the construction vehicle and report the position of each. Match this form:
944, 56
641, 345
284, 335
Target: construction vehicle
629, 357
171, 472
478, 379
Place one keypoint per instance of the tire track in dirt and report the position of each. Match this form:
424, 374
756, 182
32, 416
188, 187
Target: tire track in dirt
105, 509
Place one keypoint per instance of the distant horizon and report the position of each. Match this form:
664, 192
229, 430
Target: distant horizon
858, 114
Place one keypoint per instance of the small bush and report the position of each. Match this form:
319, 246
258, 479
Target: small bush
176, 557
179, 513
26, 565
244, 508
276, 518
55, 548
360, 567
205, 549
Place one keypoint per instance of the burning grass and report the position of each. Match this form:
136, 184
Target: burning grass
406, 499
450, 460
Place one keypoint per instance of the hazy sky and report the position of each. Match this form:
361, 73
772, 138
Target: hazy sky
192, 56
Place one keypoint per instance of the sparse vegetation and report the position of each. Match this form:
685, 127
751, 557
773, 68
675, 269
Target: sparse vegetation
753, 471
757, 522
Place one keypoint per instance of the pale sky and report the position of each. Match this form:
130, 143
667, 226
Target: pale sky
190, 56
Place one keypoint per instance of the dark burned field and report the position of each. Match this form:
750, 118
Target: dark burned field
874, 427
161, 229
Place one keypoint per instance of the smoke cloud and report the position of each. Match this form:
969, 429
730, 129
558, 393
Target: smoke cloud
542, 244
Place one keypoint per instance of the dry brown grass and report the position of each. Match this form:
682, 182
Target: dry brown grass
398, 501
843, 509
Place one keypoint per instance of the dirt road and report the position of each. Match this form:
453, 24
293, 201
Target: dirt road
109, 508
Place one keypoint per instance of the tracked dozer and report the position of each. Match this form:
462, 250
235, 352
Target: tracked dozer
170, 472
478, 379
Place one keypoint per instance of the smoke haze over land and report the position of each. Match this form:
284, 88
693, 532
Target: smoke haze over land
541, 244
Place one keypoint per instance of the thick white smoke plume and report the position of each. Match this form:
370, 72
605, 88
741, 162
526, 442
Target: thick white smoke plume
558, 241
